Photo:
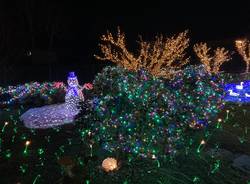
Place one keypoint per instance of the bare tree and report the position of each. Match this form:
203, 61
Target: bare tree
162, 57
213, 62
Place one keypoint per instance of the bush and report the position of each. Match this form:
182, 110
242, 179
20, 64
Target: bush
146, 116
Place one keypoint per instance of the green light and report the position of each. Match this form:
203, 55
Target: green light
23, 168
13, 138
198, 150
23, 137
15, 130
35, 180
196, 179
61, 149
27, 143
216, 166
5, 124
70, 141
242, 139
40, 151
8, 153
80, 161
158, 163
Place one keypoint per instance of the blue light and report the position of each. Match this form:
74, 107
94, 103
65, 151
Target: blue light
237, 92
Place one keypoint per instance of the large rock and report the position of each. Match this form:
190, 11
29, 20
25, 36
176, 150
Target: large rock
243, 163
222, 153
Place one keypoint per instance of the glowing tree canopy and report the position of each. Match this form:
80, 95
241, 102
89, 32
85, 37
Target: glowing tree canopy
161, 57
213, 62
146, 116
243, 48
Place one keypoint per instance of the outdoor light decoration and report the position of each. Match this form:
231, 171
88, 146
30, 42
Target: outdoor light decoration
243, 48
240, 86
5, 124
162, 57
57, 114
213, 62
125, 102
27, 143
109, 164
18, 94
239, 93
200, 146
47, 147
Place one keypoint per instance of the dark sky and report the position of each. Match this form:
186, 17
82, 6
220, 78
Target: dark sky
27, 24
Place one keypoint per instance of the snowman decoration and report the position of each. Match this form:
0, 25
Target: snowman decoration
50, 116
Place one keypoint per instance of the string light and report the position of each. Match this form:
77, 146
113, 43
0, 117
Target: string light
109, 164
36, 179
27, 143
227, 113
199, 147
211, 63
161, 58
163, 112
5, 124
19, 93
57, 114
242, 47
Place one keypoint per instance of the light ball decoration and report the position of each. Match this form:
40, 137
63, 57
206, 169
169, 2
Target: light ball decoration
109, 164
27, 143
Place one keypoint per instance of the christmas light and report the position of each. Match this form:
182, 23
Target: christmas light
211, 63
109, 164
162, 58
20, 93
237, 94
5, 124
199, 147
163, 110
57, 114
128, 114
36, 179
27, 143
242, 47
227, 114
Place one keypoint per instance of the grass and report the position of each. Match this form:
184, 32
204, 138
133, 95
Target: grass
193, 168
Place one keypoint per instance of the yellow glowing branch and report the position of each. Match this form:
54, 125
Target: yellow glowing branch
162, 57
243, 48
212, 63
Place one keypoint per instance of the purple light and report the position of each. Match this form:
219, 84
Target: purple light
58, 114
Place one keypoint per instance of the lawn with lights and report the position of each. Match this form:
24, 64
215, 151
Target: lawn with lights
153, 118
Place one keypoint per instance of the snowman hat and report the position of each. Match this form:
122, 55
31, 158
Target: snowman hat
72, 75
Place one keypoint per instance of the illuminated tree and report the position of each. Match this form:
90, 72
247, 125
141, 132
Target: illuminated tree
162, 57
243, 48
213, 62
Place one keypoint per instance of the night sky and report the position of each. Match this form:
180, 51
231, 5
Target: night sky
67, 34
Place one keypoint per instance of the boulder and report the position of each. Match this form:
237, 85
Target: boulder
222, 153
242, 163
